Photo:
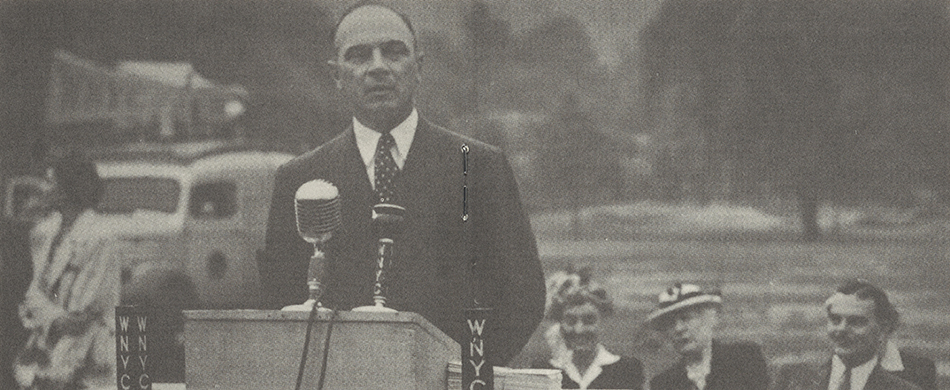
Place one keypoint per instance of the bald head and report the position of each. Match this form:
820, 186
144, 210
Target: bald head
364, 16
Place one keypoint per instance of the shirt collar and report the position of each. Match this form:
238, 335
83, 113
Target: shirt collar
697, 372
565, 362
891, 358
859, 374
366, 139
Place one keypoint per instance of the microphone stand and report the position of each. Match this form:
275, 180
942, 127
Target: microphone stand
315, 286
314, 306
317, 209
315, 269
388, 223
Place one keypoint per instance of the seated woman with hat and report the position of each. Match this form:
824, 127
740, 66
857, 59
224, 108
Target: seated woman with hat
578, 305
688, 315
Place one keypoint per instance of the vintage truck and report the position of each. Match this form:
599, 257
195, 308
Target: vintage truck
190, 218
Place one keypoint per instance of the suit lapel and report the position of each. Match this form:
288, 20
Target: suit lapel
882, 380
429, 163
679, 380
349, 173
352, 164
715, 366
421, 142
824, 376
878, 380
874, 380
718, 378
422, 156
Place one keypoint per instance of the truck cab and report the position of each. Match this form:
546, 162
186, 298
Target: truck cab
191, 219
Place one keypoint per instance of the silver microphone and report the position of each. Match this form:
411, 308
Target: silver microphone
317, 207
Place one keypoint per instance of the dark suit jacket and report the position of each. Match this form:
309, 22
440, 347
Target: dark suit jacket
441, 264
16, 270
733, 366
807, 377
918, 370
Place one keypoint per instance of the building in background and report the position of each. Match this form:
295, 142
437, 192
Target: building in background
91, 104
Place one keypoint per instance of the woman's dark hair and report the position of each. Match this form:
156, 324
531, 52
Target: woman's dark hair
78, 180
574, 288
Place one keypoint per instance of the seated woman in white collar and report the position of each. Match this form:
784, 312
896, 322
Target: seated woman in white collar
578, 306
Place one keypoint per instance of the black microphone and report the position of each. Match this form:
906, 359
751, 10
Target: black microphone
317, 207
388, 225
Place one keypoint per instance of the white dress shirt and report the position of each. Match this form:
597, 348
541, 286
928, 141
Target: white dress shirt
366, 140
891, 358
697, 372
859, 374
565, 361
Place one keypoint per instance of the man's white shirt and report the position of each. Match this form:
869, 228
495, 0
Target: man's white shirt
366, 140
891, 359
698, 371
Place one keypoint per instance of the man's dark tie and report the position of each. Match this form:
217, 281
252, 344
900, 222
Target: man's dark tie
385, 168
846, 379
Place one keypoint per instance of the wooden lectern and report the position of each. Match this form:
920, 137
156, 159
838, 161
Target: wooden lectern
260, 349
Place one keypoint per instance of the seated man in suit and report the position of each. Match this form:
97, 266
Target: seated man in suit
860, 319
915, 369
688, 315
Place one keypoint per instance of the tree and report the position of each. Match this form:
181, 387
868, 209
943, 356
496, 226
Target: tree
577, 167
489, 37
561, 42
832, 101
686, 87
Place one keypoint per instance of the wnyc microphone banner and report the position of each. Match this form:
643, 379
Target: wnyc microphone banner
131, 348
477, 373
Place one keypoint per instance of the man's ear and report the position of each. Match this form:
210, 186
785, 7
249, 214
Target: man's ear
335, 72
713, 314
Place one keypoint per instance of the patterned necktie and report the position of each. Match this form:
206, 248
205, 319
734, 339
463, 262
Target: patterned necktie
385, 169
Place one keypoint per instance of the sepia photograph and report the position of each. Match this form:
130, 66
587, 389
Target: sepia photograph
475, 194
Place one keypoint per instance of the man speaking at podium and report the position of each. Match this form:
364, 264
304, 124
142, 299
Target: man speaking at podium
459, 248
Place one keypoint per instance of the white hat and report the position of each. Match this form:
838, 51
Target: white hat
681, 296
